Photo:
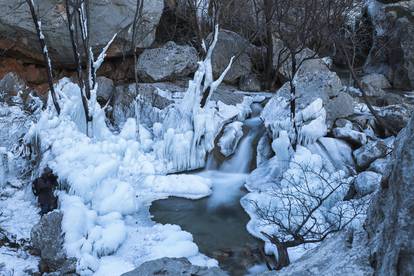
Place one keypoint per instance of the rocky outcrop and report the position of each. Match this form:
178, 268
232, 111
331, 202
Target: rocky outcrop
107, 18
390, 223
231, 44
174, 267
392, 53
167, 63
47, 238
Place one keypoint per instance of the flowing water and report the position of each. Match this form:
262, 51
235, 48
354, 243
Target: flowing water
218, 223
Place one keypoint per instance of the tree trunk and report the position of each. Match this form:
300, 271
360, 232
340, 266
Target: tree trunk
45, 53
282, 256
293, 98
269, 45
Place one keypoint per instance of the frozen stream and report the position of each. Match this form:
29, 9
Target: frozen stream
218, 223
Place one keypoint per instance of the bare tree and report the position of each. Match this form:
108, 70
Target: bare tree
77, 12
306, 208
45, 52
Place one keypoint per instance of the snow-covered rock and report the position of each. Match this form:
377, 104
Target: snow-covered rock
168, 63
366, 183
347, 133
230, 139
396, 116
369, 152
173, 267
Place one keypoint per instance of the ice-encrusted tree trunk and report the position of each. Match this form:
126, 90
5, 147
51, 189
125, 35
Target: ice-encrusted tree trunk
45, 52
77, 12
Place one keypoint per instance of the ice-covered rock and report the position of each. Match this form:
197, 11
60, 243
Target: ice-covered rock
167, 63
47, 237
368, 153
336, 153
347, 133
173, 267
230, 139
366, 183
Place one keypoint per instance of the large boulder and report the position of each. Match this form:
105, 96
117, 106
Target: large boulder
392, 53
231, 44
47, 238
390, 222
167, 63
174, 267
106, 19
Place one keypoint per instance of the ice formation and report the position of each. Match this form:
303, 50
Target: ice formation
109, 180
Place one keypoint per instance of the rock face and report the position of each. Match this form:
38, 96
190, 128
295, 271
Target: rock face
231, 44
174, 267
392, 53
105, 90
107, 18
168, 63
390, 223
47, 237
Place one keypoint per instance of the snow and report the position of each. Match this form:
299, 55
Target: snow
17, 262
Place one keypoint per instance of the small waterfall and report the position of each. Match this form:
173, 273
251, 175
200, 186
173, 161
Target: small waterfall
241, 160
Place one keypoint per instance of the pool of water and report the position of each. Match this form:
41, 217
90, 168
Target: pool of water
217, 223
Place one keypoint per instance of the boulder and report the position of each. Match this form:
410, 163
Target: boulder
167, 63
231, 44
392, 53
10, 85
396, 116
374, 84
105, 89
174, 267
340, 106
106, 19
348, 134
250, 83
390, 219
379, 166
368, 153
48, 239
366, 183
